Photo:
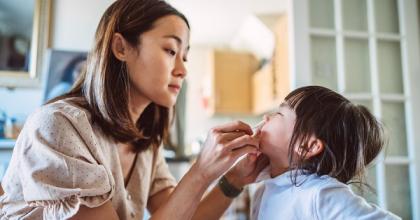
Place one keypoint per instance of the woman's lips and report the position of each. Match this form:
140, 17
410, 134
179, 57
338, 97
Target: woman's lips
174, 88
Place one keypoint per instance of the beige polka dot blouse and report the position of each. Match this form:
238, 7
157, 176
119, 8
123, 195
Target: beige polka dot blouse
61, 161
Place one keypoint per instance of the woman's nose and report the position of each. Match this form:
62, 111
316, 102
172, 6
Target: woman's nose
180, 69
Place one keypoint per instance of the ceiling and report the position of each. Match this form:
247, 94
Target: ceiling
215, 22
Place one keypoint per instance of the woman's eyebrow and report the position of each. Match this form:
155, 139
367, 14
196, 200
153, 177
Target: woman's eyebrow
177, 39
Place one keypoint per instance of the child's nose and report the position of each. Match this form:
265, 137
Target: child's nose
266, 117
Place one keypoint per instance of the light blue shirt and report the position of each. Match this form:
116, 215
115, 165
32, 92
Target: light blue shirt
315, 197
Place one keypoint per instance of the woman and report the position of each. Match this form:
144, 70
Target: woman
94, 152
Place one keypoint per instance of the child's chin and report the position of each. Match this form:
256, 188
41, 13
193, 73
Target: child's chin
262, 149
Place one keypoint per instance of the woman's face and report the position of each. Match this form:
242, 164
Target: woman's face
276, 134
157, 66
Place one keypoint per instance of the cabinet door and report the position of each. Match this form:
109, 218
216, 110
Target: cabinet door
368, 50
232, 82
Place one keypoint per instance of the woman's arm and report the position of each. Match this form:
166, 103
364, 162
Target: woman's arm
215, 203
245, 172
224, 145
211, 207
180, 202
105, 212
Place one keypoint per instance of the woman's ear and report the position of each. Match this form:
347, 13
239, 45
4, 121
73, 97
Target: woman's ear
119, 47
313, 148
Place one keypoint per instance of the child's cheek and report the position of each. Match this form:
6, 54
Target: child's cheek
266, 142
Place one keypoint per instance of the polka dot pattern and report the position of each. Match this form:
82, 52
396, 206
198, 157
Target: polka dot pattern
61, 161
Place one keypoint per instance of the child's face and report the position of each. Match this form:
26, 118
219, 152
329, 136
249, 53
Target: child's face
276, 134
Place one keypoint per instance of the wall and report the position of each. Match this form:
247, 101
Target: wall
198, 122
75, 23
72, 28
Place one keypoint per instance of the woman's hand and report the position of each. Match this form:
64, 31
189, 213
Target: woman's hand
246, 171
223, 146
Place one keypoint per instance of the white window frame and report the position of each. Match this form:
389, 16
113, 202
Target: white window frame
300, 67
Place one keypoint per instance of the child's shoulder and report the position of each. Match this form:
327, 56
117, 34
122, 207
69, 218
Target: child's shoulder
315, 182
334, 199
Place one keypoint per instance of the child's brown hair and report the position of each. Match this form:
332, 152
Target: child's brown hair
351, 135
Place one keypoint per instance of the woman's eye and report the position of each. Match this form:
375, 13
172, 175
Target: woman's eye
171, 52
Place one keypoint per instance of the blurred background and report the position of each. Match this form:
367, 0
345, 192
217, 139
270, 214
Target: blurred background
246, 55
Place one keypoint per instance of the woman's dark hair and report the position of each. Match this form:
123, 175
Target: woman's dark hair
351, 135
104, 86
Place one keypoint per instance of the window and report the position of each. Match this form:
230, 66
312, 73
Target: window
368, 51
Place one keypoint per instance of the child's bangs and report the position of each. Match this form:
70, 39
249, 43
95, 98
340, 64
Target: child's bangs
295, 98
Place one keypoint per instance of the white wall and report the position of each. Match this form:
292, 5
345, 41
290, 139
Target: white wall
72, 28
74, 23
213, 23
20, 101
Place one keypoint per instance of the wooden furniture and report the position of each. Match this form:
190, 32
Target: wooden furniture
233, 82
239, 85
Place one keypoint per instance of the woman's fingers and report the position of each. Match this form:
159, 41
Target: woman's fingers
226, 137
262, 162
239, 142
224, 145
242, 151
234, 126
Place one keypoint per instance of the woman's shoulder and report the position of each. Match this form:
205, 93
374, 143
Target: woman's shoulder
60, 126
60, 111
60, 120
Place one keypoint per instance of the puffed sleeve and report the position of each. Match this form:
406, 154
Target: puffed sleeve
60, 167
161, 176
339, 202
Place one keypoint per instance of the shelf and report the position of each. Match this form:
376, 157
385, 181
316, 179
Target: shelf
7, 143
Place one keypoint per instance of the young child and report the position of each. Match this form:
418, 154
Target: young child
317, 143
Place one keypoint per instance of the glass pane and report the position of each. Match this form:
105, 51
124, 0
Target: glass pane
393, 117
354, 15
321, 13
398, 190
386, 16
357, 65
369, 192
390, 67
324, 64
366, 103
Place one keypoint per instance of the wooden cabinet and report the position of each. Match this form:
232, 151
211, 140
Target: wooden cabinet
235, 84
263, 92
273, 81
